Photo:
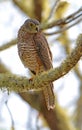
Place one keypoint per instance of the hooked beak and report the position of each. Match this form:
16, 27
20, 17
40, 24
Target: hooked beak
37, 28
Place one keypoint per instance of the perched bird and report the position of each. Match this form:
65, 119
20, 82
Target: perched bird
35, 54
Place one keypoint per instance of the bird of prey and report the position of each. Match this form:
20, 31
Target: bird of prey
35, 54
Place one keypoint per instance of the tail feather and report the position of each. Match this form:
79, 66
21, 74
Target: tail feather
49, 96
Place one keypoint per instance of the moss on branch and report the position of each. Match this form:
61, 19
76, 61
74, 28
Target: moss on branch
21, 84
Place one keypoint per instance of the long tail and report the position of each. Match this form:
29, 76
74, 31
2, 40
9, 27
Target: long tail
49, 96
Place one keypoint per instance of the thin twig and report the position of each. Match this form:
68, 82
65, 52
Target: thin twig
12, 121
74, 15
65, 28
53, 10
63, 21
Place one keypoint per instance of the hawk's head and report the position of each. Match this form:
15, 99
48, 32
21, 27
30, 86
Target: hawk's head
32, 25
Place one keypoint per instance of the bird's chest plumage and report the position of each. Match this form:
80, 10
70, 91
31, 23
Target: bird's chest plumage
27, 50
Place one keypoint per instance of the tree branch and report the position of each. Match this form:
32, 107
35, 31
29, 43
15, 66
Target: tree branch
53, 117
74, 16
53, 9
7, 45
21, 84
64, 28
69, 19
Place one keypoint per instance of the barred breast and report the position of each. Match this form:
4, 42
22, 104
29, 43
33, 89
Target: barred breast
28, 55
35, 54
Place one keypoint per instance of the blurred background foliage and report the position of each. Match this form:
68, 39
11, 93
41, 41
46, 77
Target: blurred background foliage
46, 11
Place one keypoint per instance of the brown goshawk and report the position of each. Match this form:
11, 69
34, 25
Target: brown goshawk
35, 54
